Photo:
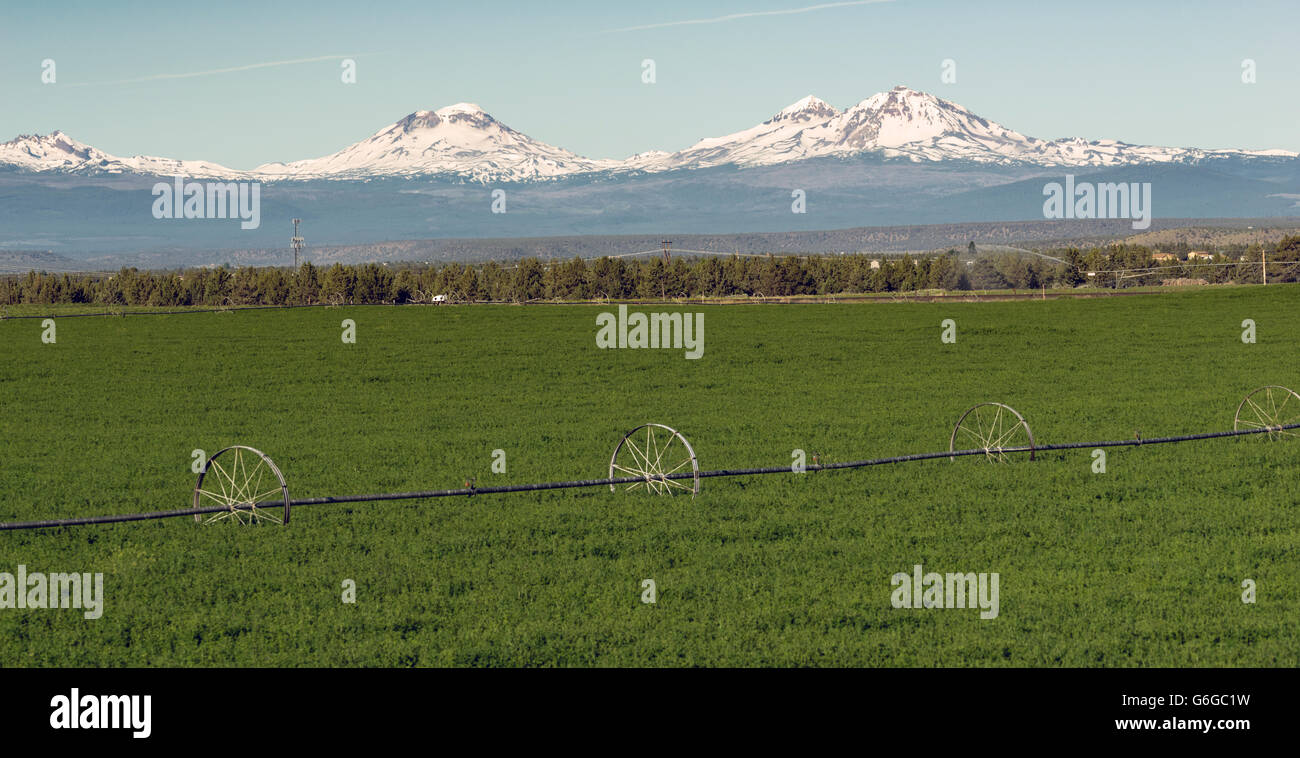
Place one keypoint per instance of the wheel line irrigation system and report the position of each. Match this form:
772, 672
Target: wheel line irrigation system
645, 457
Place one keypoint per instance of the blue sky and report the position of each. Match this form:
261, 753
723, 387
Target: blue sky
1166, 73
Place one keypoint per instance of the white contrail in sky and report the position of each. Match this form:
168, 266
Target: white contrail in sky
232, 69
734, 16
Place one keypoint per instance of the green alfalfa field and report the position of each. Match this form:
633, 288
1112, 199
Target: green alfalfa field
1142, 565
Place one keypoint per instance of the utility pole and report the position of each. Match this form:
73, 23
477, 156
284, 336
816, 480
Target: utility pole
1263, 266
297, 243
663, 285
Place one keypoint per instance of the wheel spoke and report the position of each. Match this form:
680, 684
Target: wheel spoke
629, 471
1259, 412
1010, 431
660, 457
996, 429
242, 487
1270, 409
222, 478
652, 458
236, 481
219, 498
637, 452
264, 514
653, 468
236, 487
255, 485
258, 497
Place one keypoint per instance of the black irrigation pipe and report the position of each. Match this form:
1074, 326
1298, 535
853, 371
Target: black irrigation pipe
471, 491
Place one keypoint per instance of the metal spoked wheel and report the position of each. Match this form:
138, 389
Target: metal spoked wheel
242, 480
993, 428
1271, 407
653, 453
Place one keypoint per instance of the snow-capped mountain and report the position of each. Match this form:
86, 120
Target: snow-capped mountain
460, 139
464, 141
797, 132
905, 123
57, 152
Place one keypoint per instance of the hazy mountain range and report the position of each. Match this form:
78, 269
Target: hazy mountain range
464, 141
900, 157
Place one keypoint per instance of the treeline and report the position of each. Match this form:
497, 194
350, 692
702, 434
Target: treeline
532, 279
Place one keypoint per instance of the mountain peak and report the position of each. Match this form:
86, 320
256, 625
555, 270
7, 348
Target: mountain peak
426, 119
902, 95
53, 150
43, 139
459, 140
470, 108
57, 151
806, 108
904, 92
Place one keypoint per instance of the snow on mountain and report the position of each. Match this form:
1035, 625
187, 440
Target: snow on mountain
792, 134
905, 123
459, 139
57, 152
642, 161
462, 140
